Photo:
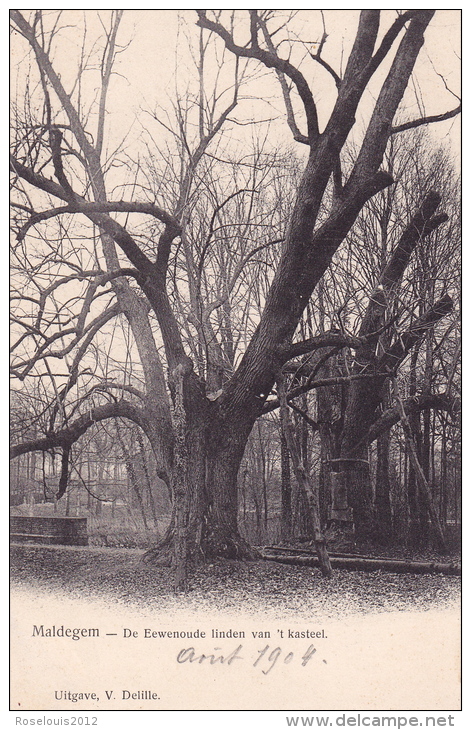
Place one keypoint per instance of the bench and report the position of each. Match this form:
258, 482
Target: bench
49, 530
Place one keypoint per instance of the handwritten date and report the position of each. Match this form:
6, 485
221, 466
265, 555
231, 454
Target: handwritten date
267, 657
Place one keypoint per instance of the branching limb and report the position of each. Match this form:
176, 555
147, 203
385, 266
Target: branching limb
421, 225
313, 424
96, 325
391, 359
326, 339
270, 60
272, 405
45, 65
388, 40
415, 404
22, 369
97, 213
106, 69
290, 118
120, 206
220, 301
317, 56
106, 385
67, 436
389, 98
216, 211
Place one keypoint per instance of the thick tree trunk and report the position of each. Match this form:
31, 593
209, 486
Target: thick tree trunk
221, 535
204, 523
357, 480
354, 462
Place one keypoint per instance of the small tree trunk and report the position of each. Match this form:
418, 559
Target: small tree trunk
420, 476
303, 528
443, 478
258, 512
181, 491
324, 419
304, 482
263, 475
100, 471
90, 478
133, 478
286, 511
150, 491
382, 495
325, 485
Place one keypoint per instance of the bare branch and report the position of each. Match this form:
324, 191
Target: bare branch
404, 343
427, 120
290, 118
67, 436
317, 56
270, 60
415, 404
273, 404
120, 206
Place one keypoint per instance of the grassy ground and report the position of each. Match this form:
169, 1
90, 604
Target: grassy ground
118, 575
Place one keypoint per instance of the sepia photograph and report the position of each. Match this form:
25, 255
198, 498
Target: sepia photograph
235, 404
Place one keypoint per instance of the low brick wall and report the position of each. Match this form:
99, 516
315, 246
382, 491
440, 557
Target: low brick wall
49, 530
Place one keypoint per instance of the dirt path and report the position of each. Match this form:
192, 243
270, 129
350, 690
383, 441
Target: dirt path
118, 575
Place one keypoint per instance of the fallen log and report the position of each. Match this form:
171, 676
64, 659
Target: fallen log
368, 564
306, 551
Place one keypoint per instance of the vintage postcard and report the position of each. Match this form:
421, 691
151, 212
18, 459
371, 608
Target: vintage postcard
235, 477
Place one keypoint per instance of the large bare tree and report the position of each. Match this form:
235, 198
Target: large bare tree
199, 434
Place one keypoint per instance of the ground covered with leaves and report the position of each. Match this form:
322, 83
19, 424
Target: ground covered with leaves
266, 587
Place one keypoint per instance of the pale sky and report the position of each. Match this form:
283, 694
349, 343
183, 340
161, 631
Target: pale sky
159, 46
152, 57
